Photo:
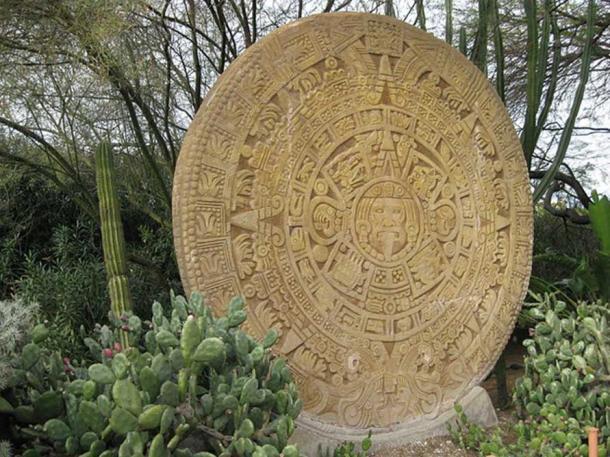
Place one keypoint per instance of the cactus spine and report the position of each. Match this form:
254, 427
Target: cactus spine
113, 240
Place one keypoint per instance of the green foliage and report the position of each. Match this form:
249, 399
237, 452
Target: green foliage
188, 374
568, 363
51, 254
153, 270
471, 436
69, 284
565, 388
552, 436
5, 449
558, 246
348, 449
580, 264
16, 320
31, 210
599, 212
66, 278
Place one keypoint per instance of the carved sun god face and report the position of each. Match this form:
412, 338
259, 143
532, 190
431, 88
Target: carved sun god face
387, 220
388, 230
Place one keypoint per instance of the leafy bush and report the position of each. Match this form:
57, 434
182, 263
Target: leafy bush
558, 247
31, 209
69, 285
568, 365
153, 270
565, 388
585, 271
69, 282
50, 253
191, 375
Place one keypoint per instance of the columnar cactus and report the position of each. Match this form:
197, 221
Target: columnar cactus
113, 239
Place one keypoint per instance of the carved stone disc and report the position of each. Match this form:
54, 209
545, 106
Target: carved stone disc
360, 183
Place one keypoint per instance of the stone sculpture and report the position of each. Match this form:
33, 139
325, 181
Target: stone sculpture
360, 183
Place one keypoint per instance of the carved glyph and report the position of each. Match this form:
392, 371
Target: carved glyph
361, 185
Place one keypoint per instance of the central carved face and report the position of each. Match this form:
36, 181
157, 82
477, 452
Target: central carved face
386, 220
388, 230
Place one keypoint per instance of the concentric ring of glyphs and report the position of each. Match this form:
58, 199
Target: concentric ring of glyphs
361, 184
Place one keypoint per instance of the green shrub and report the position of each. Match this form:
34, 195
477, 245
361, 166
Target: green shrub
69, 285
189, 375
567, 370
585, 271
31, 209
558, 246
69, 281
565, 388
157, 273
50, 253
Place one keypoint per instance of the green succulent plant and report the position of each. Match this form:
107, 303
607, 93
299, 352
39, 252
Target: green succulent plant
113, 238
16, 320
565, 388
567, 370
5, 449
184, 375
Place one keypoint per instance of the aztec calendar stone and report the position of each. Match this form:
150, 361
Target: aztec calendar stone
361, 185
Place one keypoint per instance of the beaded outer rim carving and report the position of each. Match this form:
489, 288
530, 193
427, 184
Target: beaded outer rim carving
223, 237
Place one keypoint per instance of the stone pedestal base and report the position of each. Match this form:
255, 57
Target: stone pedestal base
310, 433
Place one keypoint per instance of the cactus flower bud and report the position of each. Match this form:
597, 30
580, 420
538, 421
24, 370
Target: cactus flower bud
117, 347
67, 367
107, 352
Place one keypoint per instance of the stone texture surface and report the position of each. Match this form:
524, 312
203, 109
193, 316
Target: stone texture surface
312, 435
361, 185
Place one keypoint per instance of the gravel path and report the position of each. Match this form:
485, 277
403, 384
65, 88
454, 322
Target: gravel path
439, 446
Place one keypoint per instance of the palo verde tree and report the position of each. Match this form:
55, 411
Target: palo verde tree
75, 71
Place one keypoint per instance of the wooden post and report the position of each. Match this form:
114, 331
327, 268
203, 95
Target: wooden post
592, 432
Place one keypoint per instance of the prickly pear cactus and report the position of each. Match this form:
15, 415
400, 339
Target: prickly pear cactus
184, 374
567, 372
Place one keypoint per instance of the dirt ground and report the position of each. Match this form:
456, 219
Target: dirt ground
443, 446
